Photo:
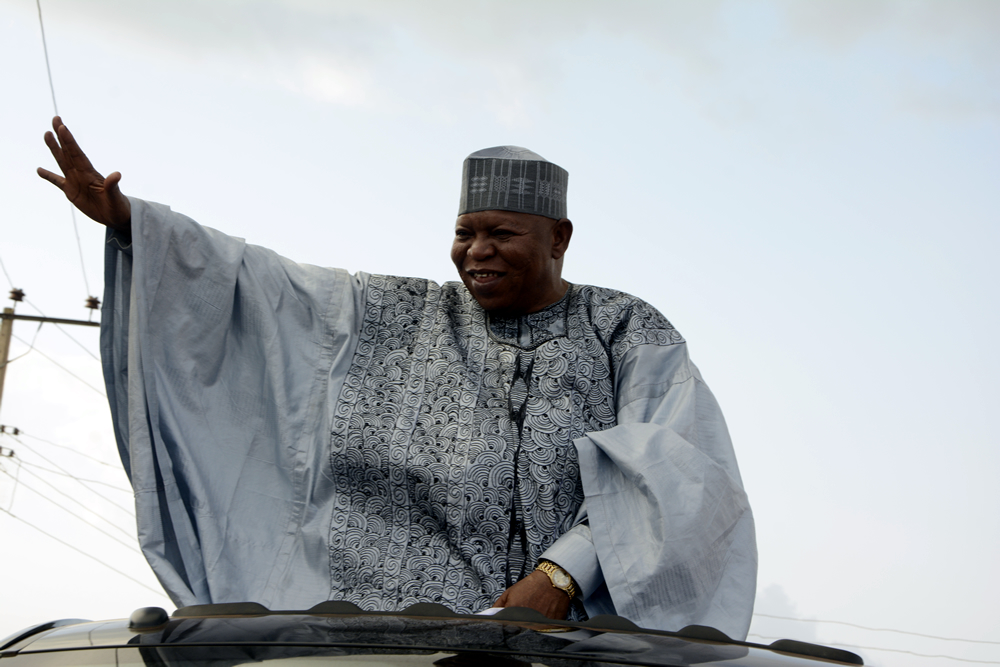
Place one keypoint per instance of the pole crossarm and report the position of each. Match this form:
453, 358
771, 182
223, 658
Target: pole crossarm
53, 320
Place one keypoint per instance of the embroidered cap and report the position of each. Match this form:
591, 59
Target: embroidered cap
511, 178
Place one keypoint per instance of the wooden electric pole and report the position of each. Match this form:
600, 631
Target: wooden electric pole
7, 329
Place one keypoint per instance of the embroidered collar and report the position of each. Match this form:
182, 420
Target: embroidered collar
531, 330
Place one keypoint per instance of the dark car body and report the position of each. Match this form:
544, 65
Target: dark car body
341, 634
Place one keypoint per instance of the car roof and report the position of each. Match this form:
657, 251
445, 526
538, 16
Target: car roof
234, 633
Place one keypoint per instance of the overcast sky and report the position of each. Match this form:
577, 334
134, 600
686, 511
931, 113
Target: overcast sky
807, 190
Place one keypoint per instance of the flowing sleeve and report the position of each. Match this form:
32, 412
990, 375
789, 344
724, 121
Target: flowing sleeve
220, 360
668, 517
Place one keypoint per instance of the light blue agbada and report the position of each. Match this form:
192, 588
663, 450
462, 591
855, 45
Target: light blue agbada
296, 434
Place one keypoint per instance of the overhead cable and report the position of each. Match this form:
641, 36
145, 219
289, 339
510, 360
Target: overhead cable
62, 367
865, 627
893, 650
63, 330
79, 479
116, 466
127, 533
31, 346
82, 346
13, 491
94, 558
55, 107
45, 49
133, 547
6, 274
51, 462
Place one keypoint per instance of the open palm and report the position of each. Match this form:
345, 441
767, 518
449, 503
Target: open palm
96, 196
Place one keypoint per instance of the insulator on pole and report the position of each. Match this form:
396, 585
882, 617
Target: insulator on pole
17, 294
93, 302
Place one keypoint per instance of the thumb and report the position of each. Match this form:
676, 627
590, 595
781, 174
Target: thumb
111, 180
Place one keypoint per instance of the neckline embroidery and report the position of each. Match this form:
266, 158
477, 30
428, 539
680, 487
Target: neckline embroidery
529, 331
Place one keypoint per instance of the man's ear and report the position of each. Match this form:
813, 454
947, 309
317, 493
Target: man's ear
562, 232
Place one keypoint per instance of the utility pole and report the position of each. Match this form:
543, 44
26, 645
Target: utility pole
7, 328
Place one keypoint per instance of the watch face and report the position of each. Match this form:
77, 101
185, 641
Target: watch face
560, 579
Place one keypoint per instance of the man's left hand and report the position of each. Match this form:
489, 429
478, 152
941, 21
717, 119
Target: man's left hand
536, 592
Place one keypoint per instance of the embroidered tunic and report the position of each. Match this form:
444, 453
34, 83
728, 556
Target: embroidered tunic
296, 434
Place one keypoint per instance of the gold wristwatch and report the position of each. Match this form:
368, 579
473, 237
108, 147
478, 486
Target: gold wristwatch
559, 577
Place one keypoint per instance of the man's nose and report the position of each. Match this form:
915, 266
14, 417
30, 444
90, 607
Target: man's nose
481, 248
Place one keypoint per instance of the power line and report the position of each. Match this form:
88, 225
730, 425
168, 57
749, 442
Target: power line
79, 247
82, 346
13, 492
55, 107
128, 534
66, 333
6, 274
31, 346
79, 479
895, 650
93, 558
74, 514
51, 462
45, 49
865, 627
62, 367
72, 449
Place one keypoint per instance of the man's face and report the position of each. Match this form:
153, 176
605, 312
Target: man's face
511, 262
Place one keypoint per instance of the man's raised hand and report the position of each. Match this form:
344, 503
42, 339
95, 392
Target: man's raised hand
96, 196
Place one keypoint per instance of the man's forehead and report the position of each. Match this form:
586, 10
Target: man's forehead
494, 217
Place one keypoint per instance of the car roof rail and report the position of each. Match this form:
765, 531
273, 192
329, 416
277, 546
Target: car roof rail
706, 632
815, 651
335, 607
222, 609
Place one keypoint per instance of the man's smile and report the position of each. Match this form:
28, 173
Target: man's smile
482, 276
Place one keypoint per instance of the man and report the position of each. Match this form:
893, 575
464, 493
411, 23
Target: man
295, 434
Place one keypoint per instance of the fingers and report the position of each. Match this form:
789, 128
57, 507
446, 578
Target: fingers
71, 150
54, 179
64, 148
50, 137
52, 143
111, 180
57, 152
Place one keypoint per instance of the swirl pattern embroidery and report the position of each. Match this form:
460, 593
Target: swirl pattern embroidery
424, 448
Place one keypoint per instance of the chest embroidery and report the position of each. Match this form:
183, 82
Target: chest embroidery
451, 443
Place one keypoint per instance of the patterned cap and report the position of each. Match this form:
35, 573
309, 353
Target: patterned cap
511, 178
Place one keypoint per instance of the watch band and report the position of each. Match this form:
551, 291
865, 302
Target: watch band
559, 577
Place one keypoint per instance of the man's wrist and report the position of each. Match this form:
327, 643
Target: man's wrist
560, 578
